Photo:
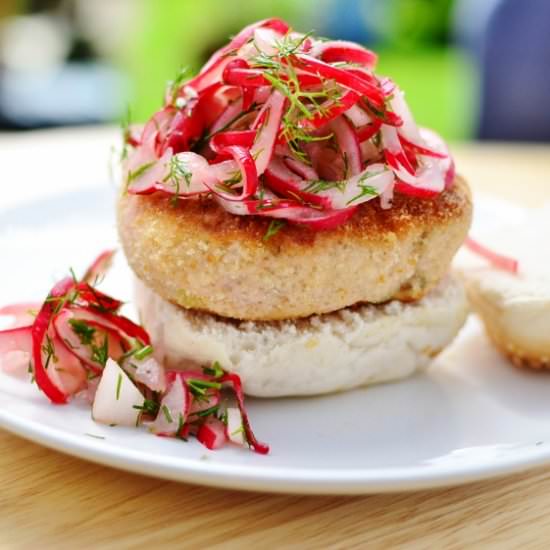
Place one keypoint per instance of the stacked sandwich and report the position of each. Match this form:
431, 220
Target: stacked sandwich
286, 217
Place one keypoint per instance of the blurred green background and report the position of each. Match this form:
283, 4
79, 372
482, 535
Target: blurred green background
120, 53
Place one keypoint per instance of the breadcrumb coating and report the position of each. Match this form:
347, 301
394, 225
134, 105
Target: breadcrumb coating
197, 255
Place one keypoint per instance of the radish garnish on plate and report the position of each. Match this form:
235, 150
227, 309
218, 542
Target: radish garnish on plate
77, 345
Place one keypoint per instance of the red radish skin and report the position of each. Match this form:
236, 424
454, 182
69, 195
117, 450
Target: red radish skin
212, 434
242, 138
499, 261
39, 331
247, 168
334, 51
235, 382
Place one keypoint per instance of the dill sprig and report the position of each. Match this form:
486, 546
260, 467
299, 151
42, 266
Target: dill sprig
365, 190
177, 173
84, 331
166, 412
274, 227
143, 352
49, 349
319, 186
149, 407
118, 386
175, 85
100, 353
139, 171
280, 71
199, 388
216, 370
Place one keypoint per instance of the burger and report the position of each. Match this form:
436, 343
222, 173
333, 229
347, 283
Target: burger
285, 216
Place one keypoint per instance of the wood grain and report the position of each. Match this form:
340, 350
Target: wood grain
49, 500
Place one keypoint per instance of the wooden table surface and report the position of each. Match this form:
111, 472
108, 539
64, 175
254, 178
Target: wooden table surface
49, 500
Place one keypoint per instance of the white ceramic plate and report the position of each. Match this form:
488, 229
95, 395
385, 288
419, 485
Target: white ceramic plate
471, 416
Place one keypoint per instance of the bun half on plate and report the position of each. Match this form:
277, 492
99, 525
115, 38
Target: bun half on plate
515, 307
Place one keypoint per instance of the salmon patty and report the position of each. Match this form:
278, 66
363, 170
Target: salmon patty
195, 254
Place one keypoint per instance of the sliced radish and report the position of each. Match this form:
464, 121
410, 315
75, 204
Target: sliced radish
270, 115
239, 73
301, 168
211, 400
64, 370
231, 112
266, 40
345, 77
247, 169
349, 145
147, 371
243, 138
497, 260
16, 363
235, 383
368, 131
22, 315
213, 69
358, 116
341, 50
286, 182
16, 339
173, 410
84, 338
117, 400
99, 267
394, 153
143, 175
212, 434
365, 186
90, 296
235, 428
15, 348
39, 332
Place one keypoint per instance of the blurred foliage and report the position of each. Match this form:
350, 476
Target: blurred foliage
440, 86
420, 22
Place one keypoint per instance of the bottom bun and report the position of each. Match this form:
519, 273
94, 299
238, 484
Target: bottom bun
364, 344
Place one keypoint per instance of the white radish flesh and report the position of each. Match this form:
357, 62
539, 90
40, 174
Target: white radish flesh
117, 400
235, 429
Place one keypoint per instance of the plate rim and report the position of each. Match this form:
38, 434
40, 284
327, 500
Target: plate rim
317, 481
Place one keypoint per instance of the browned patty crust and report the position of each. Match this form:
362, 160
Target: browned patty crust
197, 255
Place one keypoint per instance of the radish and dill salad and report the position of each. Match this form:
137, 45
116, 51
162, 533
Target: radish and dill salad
288, 126
76, 344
